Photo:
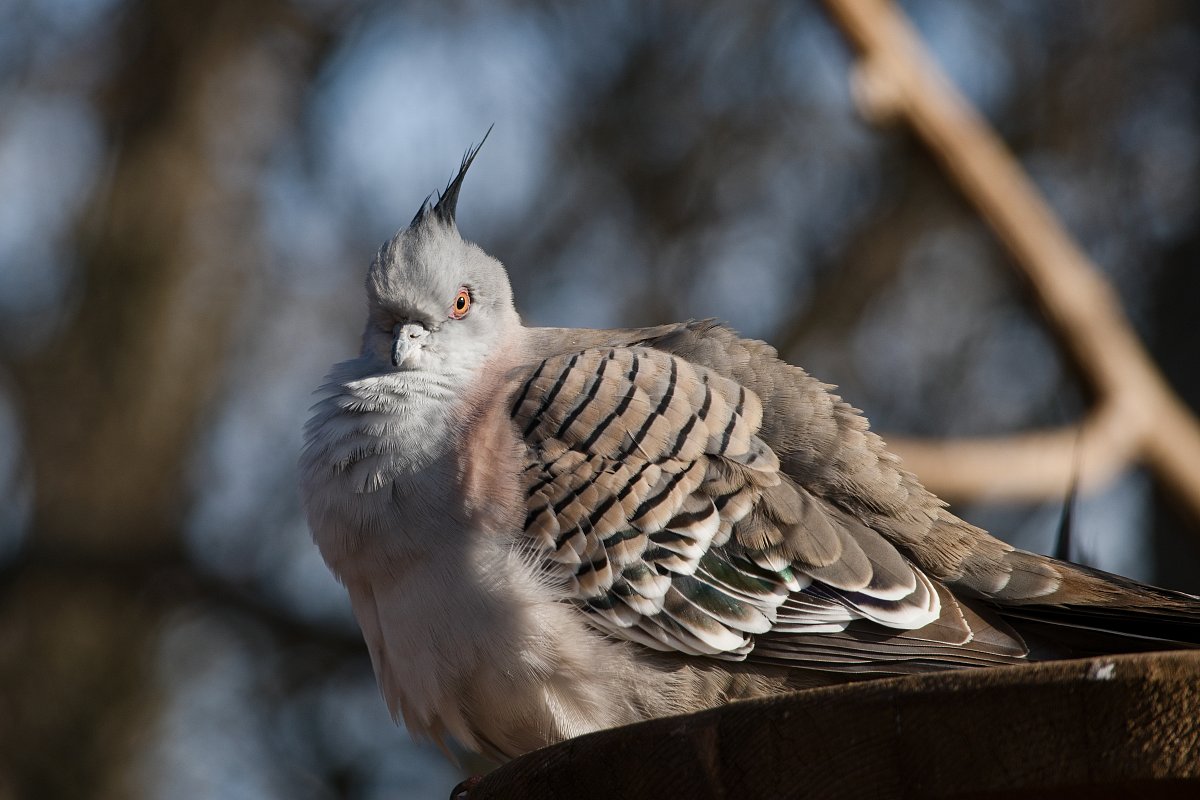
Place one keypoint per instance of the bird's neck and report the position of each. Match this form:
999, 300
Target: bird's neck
406, 415
379, 444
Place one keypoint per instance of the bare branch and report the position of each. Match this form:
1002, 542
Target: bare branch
1029, 466
1137, 416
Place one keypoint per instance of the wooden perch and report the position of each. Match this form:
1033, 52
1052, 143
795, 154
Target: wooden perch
1136, 416
1112, 727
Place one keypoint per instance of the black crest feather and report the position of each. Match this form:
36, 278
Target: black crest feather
447, 202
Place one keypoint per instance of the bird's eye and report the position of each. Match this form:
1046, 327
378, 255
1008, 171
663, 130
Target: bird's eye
462, 304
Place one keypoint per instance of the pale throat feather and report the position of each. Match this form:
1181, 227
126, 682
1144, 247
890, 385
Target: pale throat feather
376, 442
385, 447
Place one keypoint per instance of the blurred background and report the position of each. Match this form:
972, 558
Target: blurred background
191, 192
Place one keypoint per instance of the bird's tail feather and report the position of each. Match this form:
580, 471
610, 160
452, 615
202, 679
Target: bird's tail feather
1132, 617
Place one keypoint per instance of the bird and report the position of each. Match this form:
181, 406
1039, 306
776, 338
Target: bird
545, 532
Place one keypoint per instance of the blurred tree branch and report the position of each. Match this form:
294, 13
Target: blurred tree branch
1136, 416
112, 404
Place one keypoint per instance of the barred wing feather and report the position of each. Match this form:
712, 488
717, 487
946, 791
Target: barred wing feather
652, 496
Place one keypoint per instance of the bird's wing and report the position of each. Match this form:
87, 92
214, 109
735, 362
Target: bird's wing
825, 446
652, 496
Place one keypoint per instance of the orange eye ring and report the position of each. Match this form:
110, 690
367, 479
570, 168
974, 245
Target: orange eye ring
462, 304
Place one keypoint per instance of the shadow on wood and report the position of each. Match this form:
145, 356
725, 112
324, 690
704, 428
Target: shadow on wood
1117, 726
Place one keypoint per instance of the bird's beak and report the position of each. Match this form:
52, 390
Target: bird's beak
407, 342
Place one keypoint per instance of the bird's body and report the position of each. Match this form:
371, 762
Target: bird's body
546, 532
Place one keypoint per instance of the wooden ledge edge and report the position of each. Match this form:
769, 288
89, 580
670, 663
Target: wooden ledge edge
1112, 726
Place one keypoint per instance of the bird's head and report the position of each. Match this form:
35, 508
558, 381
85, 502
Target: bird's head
435, 301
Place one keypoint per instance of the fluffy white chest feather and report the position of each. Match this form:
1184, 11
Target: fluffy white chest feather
418, 516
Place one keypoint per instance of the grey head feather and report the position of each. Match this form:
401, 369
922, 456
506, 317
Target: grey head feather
415, 280
447, 203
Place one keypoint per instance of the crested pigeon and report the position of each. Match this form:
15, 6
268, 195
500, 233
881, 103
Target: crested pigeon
549, 531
